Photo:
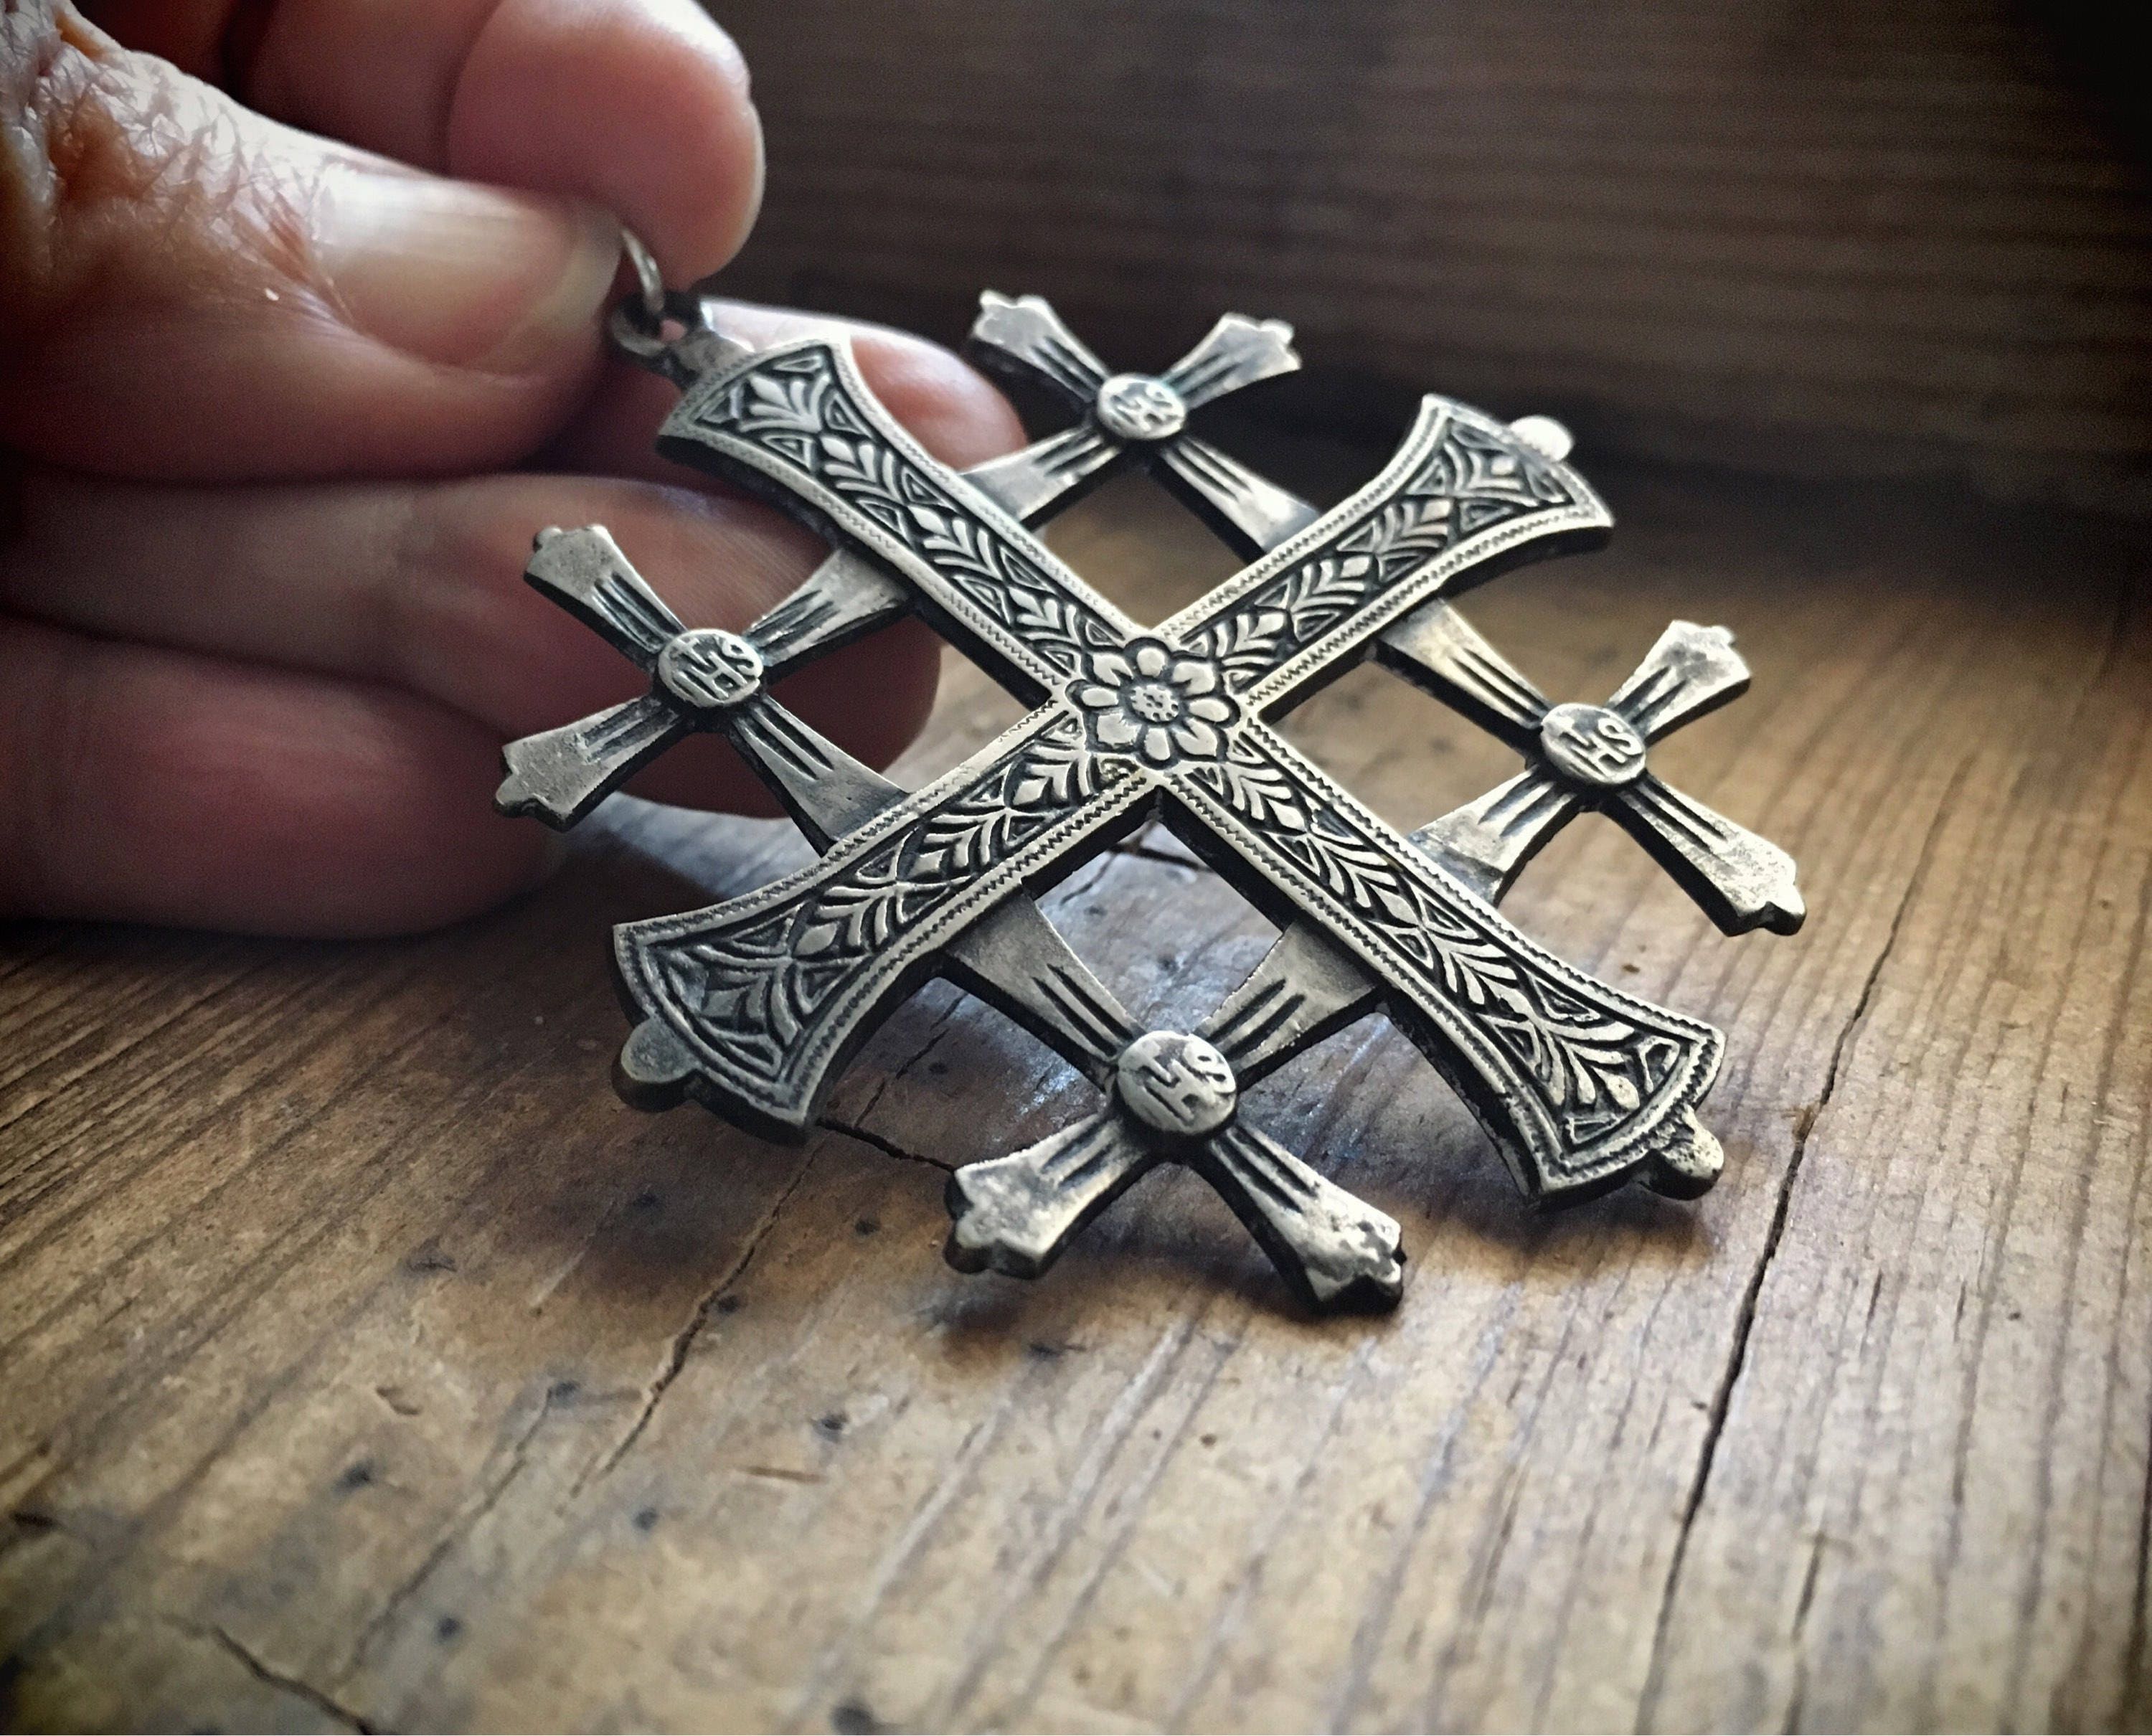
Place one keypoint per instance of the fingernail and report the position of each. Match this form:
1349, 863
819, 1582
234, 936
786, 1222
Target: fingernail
467, 276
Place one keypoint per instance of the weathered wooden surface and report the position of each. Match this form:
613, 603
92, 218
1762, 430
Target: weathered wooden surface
1815, 236
362, 1360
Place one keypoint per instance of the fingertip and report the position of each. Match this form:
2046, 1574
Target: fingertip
950, 406
947, 403
648, 112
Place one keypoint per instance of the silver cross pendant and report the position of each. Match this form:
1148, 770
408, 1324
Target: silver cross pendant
753, 1006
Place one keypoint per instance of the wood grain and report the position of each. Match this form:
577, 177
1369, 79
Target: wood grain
366, 1363
1828, 239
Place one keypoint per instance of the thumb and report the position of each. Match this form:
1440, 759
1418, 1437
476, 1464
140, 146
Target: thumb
189, 289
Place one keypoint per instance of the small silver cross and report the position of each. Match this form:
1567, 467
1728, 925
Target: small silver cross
1594, 756
1136, 418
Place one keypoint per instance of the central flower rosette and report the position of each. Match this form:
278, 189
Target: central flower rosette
1151, 701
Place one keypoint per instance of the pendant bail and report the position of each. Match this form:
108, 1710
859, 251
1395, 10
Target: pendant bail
648, 277
638, 322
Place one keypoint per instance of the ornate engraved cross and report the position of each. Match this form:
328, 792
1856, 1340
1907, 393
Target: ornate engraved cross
753, 1006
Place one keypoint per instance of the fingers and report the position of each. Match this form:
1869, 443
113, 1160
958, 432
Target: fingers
163, 786
375, 586
419, 586
177, 783
640, 106
187, 289
647, 115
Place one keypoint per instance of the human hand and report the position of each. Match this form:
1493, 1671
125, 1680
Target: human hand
286, 412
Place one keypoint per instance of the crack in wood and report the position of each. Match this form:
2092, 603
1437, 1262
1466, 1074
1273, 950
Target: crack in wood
2130, 1712
2130, 1706
464, 1525
325, 1703
1745, 1320
887, 1147
1797, 1698
683, 1341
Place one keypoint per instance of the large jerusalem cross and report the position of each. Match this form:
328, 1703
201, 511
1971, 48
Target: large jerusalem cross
753, 1006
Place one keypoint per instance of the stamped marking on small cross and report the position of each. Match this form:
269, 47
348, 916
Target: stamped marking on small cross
753, 1006
1596, 756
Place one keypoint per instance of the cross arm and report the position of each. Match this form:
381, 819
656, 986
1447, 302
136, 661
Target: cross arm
1032, 481
1742, 881
1435, 647
1236, 352
1596, 758
1464, 497
797, 423
702, 681
1024, 339
1016, 1214
1303, 991
1576, 1083
1021, 338
760, 1000
1304, 988
1249, 512
587, 574
559, 775
1488, 843
1688, 674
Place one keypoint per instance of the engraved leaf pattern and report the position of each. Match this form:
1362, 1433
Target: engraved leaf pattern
758, 983
798, 408
1259, 790
1474, 479
754, 988
1590, 1070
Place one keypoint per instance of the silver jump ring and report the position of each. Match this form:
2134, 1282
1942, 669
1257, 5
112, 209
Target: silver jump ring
639, 323
648, 278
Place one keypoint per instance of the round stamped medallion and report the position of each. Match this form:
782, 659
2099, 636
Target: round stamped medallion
1136, 407
1176, 1083
710, 669
1590, 745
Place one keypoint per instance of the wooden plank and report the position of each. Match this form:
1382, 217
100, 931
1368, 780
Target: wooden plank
1823, 241
367, 1363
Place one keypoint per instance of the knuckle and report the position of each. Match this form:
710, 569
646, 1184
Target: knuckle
119, 174
407, 537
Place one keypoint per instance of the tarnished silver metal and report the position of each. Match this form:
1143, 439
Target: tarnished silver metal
753, 1006
649, 281
1135, 418
1595, 756
1176, 1084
